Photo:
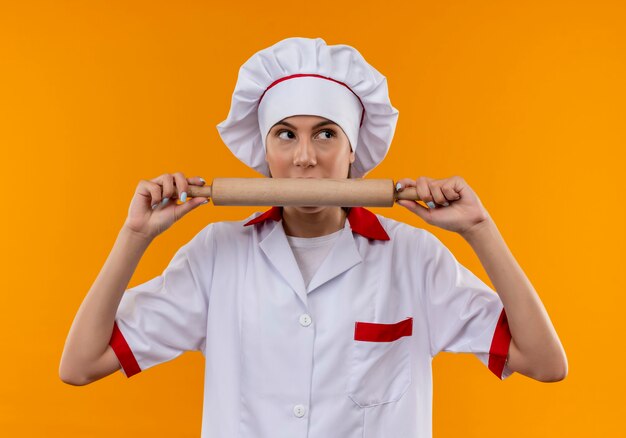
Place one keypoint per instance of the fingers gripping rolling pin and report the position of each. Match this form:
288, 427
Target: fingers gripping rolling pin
348, 192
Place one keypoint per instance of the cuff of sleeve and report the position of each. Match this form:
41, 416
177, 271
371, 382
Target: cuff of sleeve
499, 349
124, 354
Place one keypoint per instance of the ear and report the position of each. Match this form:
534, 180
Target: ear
352, 157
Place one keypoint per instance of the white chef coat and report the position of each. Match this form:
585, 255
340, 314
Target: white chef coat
348, 356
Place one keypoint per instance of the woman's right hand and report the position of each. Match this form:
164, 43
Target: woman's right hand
148, 216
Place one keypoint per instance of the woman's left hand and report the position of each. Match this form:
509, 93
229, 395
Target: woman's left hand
453, 204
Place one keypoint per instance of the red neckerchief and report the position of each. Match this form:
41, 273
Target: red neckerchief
362, 221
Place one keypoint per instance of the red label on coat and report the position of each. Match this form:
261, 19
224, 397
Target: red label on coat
377, 332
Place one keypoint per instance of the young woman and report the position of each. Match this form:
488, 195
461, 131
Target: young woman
314, 321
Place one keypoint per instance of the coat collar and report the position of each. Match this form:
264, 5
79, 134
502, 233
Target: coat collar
362, 221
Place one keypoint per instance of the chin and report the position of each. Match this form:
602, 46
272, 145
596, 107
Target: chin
311, 209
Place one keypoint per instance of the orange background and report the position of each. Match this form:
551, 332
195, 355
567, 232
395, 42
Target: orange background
525, 101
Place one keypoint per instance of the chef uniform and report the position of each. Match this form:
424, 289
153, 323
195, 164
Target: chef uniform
343, 350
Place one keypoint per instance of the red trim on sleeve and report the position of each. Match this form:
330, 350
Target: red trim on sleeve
123, 352
500, 345
376, 332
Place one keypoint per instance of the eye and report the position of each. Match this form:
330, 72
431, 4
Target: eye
329, 134
290, 135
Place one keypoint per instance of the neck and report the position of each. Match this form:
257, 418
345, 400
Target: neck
320, 222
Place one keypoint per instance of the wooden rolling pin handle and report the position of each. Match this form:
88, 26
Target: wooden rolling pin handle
409, 193
199, 192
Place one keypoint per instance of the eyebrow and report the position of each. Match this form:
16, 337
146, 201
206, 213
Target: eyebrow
322, 123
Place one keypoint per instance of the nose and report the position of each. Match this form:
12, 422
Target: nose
304, 154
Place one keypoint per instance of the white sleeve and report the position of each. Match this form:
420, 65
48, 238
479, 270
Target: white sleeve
462, 312
160, 319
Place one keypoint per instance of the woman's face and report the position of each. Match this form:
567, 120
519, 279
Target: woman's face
308, 147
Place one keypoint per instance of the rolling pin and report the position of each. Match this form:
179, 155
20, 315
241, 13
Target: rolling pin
345, 192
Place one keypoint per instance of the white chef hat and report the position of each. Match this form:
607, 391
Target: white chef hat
305, 76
